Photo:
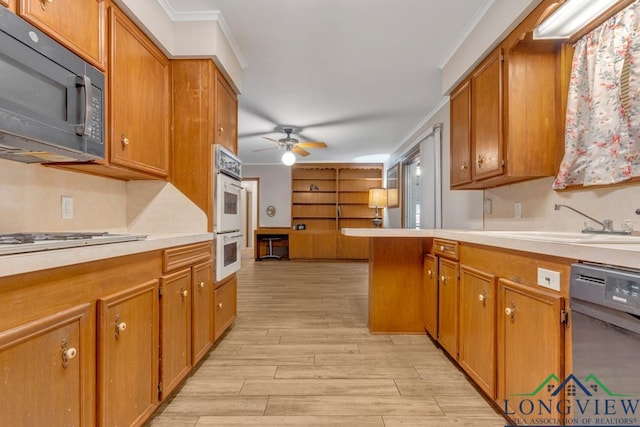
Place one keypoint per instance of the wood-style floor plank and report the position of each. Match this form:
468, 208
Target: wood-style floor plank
300, 353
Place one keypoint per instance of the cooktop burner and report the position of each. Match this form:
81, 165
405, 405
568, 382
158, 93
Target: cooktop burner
21, 238
15, 243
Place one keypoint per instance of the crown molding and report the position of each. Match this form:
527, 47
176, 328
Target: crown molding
211, 15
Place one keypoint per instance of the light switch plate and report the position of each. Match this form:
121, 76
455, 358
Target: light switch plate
486, 206
549, 279
67, 207
517, 210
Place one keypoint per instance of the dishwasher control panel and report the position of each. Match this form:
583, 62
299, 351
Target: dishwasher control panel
605, 285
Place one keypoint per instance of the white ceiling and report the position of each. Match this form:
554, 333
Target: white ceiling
359, 75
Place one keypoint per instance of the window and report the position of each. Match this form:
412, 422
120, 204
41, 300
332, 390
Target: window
411, 187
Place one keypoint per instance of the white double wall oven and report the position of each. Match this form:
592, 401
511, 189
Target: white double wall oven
228, 213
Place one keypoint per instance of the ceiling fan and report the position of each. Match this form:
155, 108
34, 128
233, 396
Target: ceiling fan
292, 145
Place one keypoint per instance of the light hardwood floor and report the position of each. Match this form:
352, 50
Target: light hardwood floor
300, 353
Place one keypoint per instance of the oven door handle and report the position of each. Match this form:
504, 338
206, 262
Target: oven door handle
234, 237
234, 185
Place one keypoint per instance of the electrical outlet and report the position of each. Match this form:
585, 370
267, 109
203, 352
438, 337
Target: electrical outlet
517, 210
67, 207
486, 206
549, 279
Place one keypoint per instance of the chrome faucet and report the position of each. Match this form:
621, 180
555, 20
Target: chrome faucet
606, 224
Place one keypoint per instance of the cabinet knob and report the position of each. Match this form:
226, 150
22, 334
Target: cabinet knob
464, 167
480, 160
68, 353
45, 3
120, 327
220, 130
201, 285
430, 273
510, 311
125, 141
441, 248
219, 305
184, 293
482, 297
443, 279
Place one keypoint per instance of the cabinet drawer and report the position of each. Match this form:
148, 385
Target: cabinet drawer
446, 249
224, 299
185, 256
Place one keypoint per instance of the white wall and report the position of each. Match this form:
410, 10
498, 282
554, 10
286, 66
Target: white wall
275, 190
460, 209
250, 212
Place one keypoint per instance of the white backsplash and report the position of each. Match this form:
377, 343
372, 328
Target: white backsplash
537, 199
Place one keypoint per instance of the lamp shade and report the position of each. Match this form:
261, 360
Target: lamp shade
377, 198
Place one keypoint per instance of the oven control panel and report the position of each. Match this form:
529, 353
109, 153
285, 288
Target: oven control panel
623, 291
227, 163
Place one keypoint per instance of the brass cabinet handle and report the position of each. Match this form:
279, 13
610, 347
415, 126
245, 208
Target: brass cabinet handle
430, 273
219, 305
511, 311
68, 353
184, 293
480, 160
201, 285
464, 167
443, 279
220, 130
442, 248
482, 297
124, 141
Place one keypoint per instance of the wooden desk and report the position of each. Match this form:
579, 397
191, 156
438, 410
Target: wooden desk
280, 247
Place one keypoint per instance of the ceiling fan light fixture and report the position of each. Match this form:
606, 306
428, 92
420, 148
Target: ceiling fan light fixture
288, 158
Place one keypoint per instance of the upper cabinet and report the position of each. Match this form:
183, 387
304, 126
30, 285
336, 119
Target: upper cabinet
79, 25
504, 115
11, 4
226, 129
139, 99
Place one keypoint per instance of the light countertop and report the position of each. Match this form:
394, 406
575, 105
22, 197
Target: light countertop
615, 254
34, 261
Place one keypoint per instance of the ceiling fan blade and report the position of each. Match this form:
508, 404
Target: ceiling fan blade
310, 144
265, 149
300, 151
271, 139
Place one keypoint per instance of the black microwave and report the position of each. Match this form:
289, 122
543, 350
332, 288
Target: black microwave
51, 100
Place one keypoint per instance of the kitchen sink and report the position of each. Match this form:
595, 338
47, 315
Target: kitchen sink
565, 237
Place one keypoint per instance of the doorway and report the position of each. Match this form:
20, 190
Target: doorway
250, 209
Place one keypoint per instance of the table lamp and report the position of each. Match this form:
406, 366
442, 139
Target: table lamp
377, 199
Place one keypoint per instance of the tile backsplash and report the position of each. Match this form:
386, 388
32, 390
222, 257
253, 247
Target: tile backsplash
537, 201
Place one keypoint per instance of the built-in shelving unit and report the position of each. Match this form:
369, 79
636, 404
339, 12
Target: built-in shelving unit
327, 197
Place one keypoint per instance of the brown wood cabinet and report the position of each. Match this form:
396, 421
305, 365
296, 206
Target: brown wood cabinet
46, 370
175, 329
128, 355
504, 116
226, 126
10, 4
327, 197
79, 25
430, 296
448, 306
460, 104
225, 303
201, 98
139, 99
478, 327
202, 313
530, 341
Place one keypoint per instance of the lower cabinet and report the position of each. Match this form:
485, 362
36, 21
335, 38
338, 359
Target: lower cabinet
202, 314
225, 303
448, 306
530, 343
478, 327
175, 329
327, 244
128, 355
430, 296
47, 369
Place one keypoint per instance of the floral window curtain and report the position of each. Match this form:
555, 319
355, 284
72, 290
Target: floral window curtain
602, 136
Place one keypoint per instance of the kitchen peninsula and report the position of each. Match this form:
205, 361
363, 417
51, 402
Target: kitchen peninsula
497, 302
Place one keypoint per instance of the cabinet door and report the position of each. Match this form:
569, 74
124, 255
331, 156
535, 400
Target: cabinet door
324, 245
530, 342
202, 321
79, 25
226, 115
11, 4
352, 247
175, 329
448, 306
486, 118
301, 245
224, 299
139, 101
478, 327
460, 104
430, 296
47, 371
128, 355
